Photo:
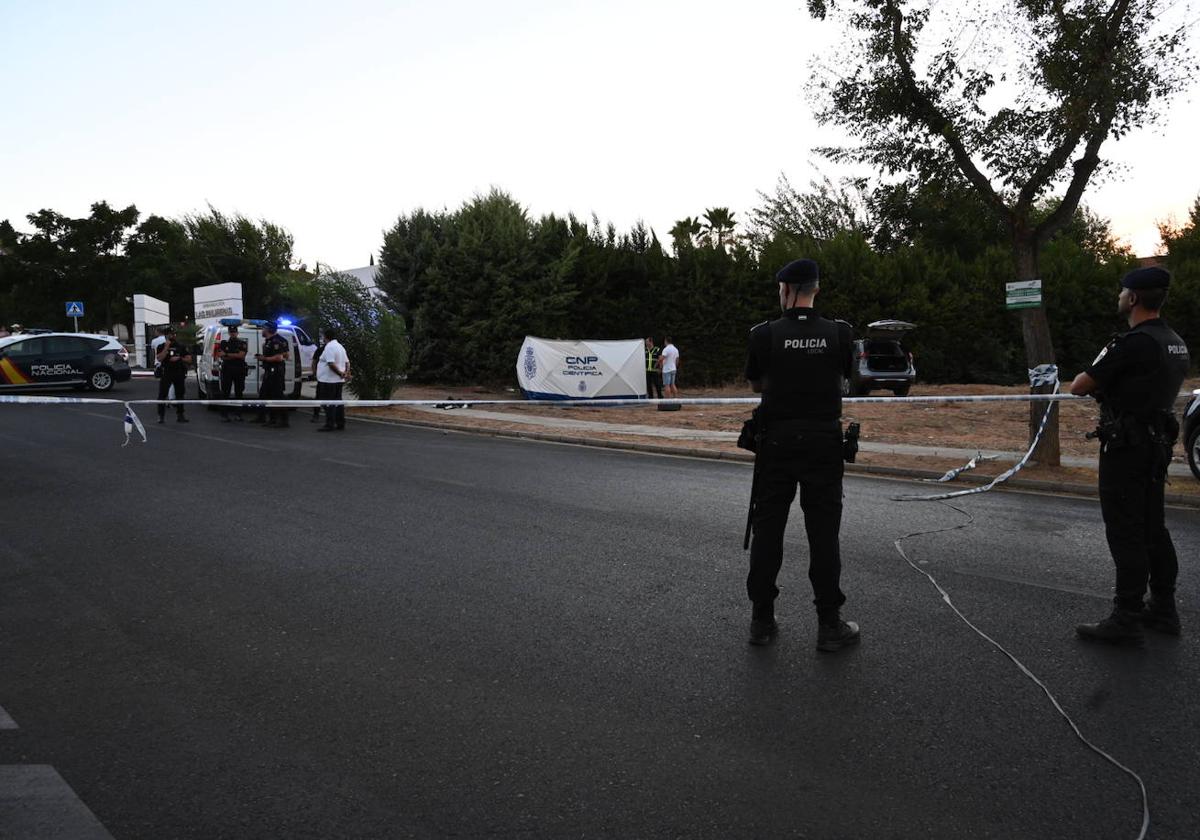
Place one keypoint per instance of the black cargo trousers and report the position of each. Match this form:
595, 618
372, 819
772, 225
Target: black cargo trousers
808, 455
271, 388
233, 382
172, 375
1132, 486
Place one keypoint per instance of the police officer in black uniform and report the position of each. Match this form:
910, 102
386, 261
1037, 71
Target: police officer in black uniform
274, 356
174, 359
1137, 378
232, 351
798, 363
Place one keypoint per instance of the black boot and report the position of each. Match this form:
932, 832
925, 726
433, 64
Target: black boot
833, 634
1161, 616
1123, 627
762, 624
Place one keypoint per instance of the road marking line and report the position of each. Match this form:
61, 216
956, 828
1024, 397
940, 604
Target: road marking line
37, 802
222, 440
346, 463
6, 721
452, 482
22, 441
96, 414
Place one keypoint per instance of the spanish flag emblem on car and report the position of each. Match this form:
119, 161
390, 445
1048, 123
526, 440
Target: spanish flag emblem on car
11, 375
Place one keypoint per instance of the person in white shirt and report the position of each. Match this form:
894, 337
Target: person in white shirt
670, 368
333, 369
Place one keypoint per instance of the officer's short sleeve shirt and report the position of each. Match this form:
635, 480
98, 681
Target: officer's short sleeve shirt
175, 354
758, 353
1127, 355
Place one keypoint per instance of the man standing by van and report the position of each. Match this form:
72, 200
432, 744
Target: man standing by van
274, 356
332, 370
232, 352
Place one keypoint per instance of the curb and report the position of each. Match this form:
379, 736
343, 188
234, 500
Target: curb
1028, 485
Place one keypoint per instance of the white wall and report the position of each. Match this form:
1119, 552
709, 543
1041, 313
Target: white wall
147, 310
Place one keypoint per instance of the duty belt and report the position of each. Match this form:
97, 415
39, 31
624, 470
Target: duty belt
804, 425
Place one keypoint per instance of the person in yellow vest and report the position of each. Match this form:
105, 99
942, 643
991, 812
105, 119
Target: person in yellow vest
653, 372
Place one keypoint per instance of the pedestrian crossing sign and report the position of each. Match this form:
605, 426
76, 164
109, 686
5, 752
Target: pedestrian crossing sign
74, 309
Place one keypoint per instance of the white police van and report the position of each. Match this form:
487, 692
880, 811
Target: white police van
208, 364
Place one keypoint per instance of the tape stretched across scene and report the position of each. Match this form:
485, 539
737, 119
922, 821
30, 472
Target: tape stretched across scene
593, 403
132, 423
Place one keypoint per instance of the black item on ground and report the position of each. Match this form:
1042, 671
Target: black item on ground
850, 443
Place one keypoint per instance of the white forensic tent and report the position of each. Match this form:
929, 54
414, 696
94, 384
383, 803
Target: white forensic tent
581, 370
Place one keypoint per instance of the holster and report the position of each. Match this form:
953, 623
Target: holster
752, 431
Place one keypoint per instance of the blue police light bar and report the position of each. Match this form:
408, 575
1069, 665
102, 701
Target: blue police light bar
284, 322
231, 322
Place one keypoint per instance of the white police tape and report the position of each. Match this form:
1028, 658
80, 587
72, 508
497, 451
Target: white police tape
1020, 665
1042, 375
132, 422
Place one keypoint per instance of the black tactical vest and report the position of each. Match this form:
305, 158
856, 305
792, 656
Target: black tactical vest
804, 367
274, 346
1144, 393
234, 345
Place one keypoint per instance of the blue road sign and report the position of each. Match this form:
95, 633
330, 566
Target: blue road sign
74, 309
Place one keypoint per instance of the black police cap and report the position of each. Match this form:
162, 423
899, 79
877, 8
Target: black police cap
1147, 278
799, 273
270, 324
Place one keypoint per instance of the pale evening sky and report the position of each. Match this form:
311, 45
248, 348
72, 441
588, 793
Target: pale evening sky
332, 119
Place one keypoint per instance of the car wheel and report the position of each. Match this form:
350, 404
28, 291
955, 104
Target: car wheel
1193, 452
901, 391
101, 379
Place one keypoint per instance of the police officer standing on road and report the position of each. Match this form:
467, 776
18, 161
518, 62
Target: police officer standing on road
174, 359
232, 352
797, 363
275, 354
1137, 378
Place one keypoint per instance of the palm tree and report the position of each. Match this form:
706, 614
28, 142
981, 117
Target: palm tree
720, 224
684, 233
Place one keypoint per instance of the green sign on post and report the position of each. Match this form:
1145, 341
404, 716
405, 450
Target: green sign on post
1024, 295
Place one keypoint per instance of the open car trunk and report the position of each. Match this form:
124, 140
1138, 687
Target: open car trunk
883, 345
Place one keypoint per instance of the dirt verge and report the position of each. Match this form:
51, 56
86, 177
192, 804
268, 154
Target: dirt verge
987, 426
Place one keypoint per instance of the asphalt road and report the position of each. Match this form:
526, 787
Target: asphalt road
236, 632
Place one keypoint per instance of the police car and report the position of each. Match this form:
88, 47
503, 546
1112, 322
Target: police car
1191, 433
58, 360
208, 363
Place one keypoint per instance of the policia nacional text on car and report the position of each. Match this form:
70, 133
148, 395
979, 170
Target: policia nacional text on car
1137, 378
798, 363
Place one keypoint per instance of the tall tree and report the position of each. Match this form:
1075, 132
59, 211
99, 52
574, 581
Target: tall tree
718, 226
926, 100
684, 233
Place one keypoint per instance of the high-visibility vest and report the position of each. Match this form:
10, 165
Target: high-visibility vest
652, 359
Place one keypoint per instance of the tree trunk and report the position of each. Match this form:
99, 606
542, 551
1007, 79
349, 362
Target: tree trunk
1039, 350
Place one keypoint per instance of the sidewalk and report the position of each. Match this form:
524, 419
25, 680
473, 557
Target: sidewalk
1177, 470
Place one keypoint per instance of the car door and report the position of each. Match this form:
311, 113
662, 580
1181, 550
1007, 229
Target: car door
16, 362
65, 360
